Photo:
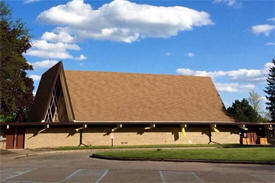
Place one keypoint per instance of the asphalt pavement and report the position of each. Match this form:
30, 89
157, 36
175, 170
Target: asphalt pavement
78, 167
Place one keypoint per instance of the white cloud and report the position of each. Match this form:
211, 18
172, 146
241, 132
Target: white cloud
190, 54
35, 77
234, 87
44, 63
43, 44
265, 29
30, 1
168, 54
248, 75
81, 57
264, 99
227, 2
271, 19
58, 36
45, 49
270, 44
121, 20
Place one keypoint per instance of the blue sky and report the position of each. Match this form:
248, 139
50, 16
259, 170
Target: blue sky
232, 41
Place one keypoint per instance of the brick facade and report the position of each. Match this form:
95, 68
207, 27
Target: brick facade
56, 137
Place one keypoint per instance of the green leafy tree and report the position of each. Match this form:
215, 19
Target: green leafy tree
254, 100
242, 111
270, 91
15, 87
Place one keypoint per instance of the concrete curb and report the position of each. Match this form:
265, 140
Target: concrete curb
36, 153
23, 156
180, 160
48, 152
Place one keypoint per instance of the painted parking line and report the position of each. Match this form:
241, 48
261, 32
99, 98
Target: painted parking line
46, 174
102, 176
84, 176
71, 175
18, 174
264, 178
22, 181
175, 176
197, 177
224, 176
162, 177
131, 176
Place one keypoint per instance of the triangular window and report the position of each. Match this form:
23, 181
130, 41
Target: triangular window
57, 109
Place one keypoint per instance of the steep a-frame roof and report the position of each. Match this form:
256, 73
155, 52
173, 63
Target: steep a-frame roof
111, 96
45, 92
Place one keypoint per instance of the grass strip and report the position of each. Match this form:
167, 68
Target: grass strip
229, 154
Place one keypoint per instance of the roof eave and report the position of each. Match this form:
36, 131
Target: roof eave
133, 123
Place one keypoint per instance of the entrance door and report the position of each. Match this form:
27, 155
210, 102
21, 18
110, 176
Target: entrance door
20, 138
10, 138
15, 137
252, 137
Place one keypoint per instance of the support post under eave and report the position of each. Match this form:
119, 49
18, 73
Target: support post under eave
210, 134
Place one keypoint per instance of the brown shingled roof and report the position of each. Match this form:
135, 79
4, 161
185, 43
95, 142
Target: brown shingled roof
109, 96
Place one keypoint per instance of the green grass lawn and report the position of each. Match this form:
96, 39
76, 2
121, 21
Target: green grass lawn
233, 154
157, 146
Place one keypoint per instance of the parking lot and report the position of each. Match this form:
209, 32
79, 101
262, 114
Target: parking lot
80, 168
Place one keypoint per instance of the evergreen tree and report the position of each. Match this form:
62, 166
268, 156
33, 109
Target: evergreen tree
15, 87
270, 91
242, 111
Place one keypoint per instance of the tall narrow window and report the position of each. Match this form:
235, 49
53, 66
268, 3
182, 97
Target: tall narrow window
57, 94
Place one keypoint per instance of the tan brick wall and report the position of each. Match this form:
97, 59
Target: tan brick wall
227, 135
97, 136
159, 135
56, 137
2, 139
52, 137
2, 144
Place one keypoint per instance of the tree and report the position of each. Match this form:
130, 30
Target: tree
242, 111
270, 91
15, 87
254, 100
